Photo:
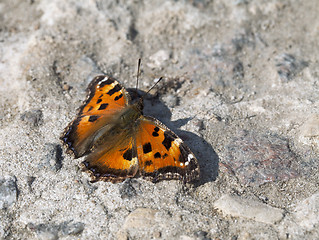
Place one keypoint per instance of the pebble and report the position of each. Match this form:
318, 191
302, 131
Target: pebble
236, 206
8, 191
309, 130
256, 159
306, 213
140, 219
158, 58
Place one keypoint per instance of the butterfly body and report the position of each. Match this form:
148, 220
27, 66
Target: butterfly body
120, 142
123, 125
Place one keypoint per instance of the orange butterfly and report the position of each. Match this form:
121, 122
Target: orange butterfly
121, 143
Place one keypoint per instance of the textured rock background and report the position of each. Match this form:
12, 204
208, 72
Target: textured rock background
241, 88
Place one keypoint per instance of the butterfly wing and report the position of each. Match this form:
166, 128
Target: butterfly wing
162, 154
105, 98
114, 162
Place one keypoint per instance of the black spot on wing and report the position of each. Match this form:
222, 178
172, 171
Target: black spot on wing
106, 82
168, 139
155, 133
98, 101
103, 106
148, 163
128, 155
93, 118
90, 108
118, 97
157, 155
116, 88
147, 147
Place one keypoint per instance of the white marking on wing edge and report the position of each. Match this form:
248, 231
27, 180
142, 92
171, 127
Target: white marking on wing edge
189, 158
178, 141
104, 79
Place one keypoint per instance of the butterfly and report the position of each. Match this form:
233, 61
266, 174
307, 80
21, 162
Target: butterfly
119, 142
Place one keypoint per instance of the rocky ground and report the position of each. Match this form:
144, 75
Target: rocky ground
240, 87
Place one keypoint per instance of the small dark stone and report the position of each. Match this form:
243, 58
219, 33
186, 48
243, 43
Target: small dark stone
127, 190
34, 117
132, 33
53, 157
201, 235
30, 180
54, 231
238, 70
45, 231
243, 40
288, 66
8, 191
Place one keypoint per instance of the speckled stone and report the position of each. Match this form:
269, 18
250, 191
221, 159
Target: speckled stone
256, 159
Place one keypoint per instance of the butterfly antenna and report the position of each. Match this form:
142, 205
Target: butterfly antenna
138, 74
160, 79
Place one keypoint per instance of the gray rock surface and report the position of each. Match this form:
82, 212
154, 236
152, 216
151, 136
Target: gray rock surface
228, 67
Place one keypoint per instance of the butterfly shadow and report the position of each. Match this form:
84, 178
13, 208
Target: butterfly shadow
207, 158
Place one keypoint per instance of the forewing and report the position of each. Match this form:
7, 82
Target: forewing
162, 154
106, 98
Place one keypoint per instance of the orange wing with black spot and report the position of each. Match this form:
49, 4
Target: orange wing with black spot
114, 162
162, 154
106, 98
